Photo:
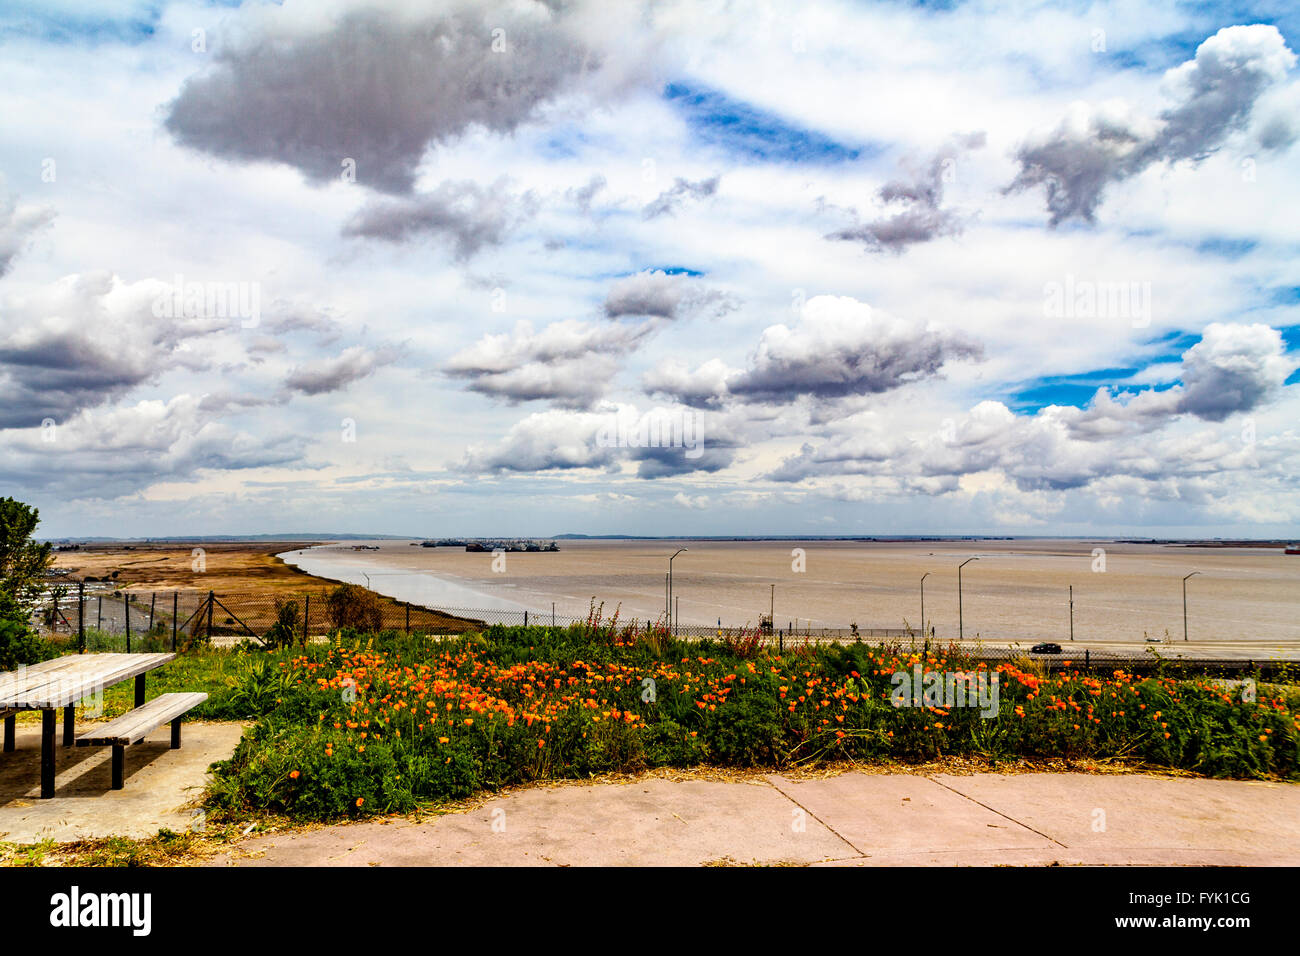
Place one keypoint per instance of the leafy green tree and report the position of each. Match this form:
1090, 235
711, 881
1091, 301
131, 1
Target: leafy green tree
22, 561
22, 564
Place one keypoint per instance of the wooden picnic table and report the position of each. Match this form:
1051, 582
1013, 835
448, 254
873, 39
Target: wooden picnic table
58, 684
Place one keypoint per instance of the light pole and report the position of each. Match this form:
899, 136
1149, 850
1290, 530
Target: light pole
923, 577
1185, 603
672, 617
961, 627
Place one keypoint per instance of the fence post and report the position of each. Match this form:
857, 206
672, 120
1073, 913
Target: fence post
175, 611
306, 613
81, 617
126, 603
525, 618
211, 602
408, 618
1085, 658
99, 614
153, 601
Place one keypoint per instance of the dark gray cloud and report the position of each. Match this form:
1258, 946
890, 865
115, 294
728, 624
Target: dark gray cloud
914, 210
1215, 94
840, 348
18, 224
663, 442
376, 87
287, 318
660, 294
332, 374
670, 200
569, 363
1234, 368
86, 340
107, 453
464, 214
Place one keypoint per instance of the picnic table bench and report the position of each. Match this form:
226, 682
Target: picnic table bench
58, 684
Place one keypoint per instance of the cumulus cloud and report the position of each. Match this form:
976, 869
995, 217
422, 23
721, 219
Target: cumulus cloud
840, 348
18, 224
109, 452
467, 216
913, 210
376, 86
703, 387
545, 441
338, 372
1233, 369
568, 362
661, 442
1214, 95
670, 200
660, 294
86, 340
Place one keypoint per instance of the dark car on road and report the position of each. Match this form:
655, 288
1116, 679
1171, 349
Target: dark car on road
1047, 647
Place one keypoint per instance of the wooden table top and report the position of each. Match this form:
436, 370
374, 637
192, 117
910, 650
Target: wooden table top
65, 680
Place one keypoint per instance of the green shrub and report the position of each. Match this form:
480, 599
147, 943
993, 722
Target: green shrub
352, 607
402, 720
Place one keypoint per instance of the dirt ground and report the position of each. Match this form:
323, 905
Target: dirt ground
224, 565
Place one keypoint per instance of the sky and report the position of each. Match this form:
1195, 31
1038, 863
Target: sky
530, 268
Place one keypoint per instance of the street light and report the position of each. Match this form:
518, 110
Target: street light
1071, 612
1185, 603
923, 577
672, 619
961, 629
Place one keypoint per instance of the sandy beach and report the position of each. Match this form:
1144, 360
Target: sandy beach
1017, 590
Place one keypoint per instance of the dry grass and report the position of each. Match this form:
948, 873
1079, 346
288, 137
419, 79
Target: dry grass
229, 566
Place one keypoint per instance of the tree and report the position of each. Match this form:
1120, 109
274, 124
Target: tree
22, 561
352, 606
284, 631
22, 564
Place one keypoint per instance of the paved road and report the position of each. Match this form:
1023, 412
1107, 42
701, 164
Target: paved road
850, 820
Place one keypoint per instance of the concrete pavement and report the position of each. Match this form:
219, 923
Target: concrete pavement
161, 788
854, 819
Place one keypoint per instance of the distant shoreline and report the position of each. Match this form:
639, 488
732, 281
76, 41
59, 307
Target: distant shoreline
883, 539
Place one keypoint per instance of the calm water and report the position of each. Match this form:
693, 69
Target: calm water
1016, 590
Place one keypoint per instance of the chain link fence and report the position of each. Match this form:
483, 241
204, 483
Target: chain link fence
116, 619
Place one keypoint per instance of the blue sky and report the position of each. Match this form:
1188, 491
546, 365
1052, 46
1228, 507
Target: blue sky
978, 267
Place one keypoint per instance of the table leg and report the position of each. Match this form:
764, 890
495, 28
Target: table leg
69, 724
48, 722
139, 690
9, 732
